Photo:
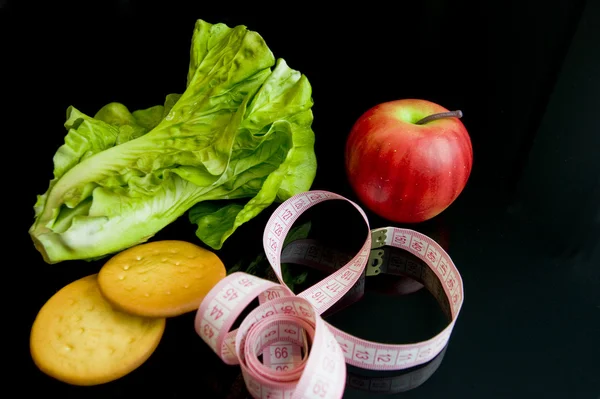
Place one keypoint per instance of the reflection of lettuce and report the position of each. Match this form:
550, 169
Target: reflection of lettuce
261, 267
241, 129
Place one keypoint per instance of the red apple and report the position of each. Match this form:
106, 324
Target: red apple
408, 160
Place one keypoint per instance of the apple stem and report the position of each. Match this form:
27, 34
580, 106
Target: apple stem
434, 117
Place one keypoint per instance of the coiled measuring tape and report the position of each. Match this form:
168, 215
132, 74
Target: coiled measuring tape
284, 321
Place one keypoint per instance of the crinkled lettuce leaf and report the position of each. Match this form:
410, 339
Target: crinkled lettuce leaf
284, 86
241, 129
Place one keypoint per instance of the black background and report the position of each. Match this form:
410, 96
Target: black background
524, 234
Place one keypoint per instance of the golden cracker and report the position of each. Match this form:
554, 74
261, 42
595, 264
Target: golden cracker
161, 278
79, 338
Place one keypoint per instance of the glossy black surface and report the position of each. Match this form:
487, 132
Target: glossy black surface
525, 233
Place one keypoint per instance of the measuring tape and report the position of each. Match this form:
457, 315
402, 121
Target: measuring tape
311, 253
284, 321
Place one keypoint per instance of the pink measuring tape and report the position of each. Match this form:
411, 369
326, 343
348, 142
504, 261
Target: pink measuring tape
303, 355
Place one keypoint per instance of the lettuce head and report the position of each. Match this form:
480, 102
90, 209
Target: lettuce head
241, 129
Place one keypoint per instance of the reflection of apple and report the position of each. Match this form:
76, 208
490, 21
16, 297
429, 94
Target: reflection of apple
408, 160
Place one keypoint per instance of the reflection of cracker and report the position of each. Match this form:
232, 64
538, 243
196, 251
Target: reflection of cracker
161, 278
78, 338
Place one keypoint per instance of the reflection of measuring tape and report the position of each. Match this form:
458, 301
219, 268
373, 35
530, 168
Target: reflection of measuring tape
283, 318
390, 384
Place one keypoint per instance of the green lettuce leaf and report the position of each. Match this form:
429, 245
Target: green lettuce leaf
286, 97
241, 129
129, 126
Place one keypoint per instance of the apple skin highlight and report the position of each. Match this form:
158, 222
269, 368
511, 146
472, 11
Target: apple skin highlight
405, 172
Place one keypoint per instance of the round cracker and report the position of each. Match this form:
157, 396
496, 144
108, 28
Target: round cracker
79, 338
161, 278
